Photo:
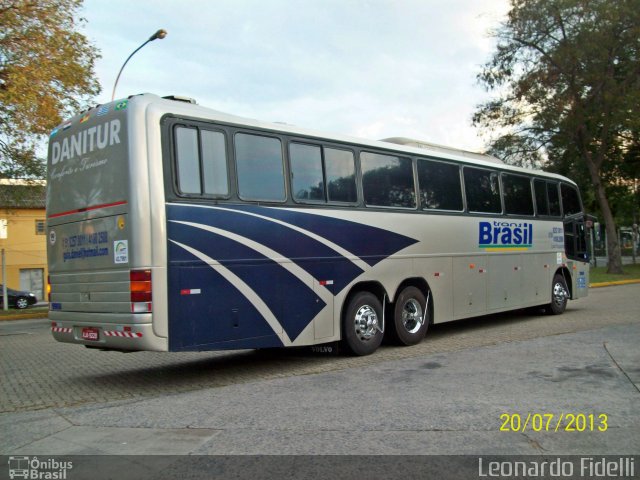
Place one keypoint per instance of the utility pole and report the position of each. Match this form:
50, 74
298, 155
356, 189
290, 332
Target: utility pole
5, 300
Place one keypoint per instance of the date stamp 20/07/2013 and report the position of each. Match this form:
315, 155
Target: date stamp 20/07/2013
554, 422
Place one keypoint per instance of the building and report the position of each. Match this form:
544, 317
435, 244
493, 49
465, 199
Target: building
23, 235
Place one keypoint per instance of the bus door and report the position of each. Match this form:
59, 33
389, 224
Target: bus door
576, 247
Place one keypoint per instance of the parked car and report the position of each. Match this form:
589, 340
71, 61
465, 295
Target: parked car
18, 298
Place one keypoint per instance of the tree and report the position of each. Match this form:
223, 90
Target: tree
46, 72
567, 75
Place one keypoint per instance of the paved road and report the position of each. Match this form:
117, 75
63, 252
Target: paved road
445, 395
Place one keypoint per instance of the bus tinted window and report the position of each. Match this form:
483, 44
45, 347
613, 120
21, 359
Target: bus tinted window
387, 181
554, 199
483, 190
439, 185
570, 199
214, 163
517, 195
542, 203
188, 160
341, 175
306, 172
547, 200
259, 167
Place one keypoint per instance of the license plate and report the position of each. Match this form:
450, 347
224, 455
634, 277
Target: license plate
90, 334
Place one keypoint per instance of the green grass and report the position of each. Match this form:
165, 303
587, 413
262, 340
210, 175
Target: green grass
15, 311
599, 274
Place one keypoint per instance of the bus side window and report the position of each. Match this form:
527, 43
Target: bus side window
387, 181
482, 189
554, 199
542, 202
307, 180
188, 160
440, 187
517, 195
340, 169
260, 167
214, 163
570, 200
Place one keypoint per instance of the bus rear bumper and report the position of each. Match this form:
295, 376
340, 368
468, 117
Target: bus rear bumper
129, 336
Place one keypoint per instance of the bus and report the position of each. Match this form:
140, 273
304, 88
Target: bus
174, 227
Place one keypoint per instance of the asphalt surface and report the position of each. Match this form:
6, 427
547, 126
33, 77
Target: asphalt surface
450, 394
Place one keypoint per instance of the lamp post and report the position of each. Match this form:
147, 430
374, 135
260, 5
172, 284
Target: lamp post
159, 34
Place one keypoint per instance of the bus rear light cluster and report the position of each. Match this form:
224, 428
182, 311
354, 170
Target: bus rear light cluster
140, 288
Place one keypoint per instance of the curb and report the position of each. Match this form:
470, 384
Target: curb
610, 284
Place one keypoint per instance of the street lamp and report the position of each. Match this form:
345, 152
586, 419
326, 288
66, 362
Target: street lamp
159, 34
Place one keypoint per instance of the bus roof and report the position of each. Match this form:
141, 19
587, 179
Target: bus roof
185, 106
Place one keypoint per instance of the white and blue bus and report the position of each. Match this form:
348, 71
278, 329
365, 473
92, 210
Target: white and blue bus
173, 227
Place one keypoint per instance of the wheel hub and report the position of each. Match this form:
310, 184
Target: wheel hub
412, 315
366, 322
560, 294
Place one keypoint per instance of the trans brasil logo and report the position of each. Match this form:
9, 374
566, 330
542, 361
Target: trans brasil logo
494, 236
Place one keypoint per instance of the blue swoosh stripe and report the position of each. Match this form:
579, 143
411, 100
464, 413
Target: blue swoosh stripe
320, 261
371, 244
199, 323
292, 302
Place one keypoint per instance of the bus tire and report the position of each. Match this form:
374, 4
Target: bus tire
362, 324
410, 319
559, 295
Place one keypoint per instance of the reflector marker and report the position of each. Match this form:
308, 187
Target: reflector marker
324, 283
190, 291
62, 329
114, 333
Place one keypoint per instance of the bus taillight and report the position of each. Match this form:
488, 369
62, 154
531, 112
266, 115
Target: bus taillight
140, 291
49, 288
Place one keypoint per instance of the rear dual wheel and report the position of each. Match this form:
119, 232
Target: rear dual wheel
362, 324
410, 317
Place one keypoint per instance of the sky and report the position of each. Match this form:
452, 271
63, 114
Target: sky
367, 68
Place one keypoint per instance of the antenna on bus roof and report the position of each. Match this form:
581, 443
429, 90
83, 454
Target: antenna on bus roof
159, 34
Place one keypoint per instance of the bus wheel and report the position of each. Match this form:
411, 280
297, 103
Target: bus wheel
559, 295
410, 319
362, 324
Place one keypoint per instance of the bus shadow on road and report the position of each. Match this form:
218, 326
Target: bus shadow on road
152, 373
